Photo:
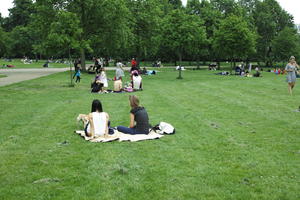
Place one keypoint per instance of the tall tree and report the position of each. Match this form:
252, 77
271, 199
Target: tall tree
145, 23
183, 34
111, 33
270, 19
3, 42
19, 14
176, 4
226, 7
21, 42
286, 44
234, 40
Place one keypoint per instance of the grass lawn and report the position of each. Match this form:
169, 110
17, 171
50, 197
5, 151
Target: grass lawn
18, 64
2, 75
236, 138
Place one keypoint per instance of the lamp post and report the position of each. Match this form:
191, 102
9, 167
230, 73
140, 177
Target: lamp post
70, 63
179, 70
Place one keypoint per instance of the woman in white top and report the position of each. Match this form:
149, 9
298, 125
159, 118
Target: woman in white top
119, 71
291, 69
103, 78
97, 121
137, 81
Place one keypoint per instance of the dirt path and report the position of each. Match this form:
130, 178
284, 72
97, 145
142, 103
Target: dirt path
18, 75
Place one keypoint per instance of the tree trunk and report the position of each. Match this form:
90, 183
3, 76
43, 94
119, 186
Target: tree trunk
180, 58
82, 59
198, 63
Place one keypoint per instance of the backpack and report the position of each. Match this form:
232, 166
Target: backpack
164, 128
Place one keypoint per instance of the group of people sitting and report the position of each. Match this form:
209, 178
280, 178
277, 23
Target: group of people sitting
100, 83
241, 72
98, 123
278, 71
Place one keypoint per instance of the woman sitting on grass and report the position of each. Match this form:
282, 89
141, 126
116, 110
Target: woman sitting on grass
97, 121
137, 81
139, 115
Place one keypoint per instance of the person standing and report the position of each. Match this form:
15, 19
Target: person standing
78, 73
291, 69
133, 63
119, 71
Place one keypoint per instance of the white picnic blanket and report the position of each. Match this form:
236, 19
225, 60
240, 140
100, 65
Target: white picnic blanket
121, 137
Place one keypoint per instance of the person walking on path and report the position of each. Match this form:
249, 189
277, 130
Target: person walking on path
291, 69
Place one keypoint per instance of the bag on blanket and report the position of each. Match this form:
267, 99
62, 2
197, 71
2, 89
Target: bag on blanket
164, 128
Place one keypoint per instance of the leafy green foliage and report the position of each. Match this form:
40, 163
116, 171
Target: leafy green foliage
183, 33
270, 19
285, 44
64, 33
19, 15
233, 39
121, 29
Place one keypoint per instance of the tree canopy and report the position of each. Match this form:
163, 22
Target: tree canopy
150, 29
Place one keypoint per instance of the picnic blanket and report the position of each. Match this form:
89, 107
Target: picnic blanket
120, 137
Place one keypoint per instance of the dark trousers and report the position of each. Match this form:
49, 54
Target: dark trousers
131, 131
77, 79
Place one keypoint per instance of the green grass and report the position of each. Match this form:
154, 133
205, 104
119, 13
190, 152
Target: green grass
2, 75
236, 138
18, 64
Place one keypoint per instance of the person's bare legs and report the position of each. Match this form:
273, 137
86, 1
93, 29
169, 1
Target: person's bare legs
290, 88
293, 85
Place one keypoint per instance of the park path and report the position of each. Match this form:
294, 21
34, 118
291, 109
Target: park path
18, 75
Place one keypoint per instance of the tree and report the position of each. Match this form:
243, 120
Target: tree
286, 44
211, 18
183, 33
21, 42
234, 40
3, 42
64, 33
269, 19
226, 7
19, 15
176, 4
111, 35
145, 22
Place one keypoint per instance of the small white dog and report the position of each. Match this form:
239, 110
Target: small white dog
84, 118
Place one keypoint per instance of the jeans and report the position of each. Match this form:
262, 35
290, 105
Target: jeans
131, 131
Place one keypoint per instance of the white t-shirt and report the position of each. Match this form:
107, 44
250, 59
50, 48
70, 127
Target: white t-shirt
137, 82
103, 79
100, 123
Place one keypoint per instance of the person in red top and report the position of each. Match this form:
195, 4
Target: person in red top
133, 62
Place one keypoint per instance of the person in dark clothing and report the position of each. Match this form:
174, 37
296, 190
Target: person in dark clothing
139, 120
96, 86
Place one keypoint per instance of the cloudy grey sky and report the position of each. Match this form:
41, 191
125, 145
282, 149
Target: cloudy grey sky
291, 6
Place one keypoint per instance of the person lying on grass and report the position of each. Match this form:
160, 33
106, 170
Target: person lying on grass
139, 121
96, 122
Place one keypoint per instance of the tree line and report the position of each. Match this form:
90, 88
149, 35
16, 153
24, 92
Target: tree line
215, 30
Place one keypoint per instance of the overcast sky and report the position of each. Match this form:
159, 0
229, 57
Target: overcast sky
291, 6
